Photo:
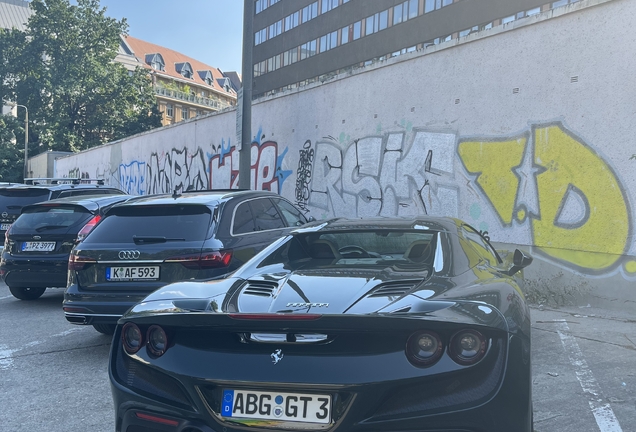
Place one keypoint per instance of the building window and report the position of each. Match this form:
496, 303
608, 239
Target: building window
273, 63
261, 5
275, 29
156, 62
509, 19
431, 5
533, 11
329, 41
290, 57
327, 5
405, 11
345, 35
357, 30
169, 110
184, 69
184, 113
309, 12
377, 22
260, 36
469, 31
308, 49
560, 3
291, 21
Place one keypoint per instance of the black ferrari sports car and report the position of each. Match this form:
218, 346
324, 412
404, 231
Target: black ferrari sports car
342, 325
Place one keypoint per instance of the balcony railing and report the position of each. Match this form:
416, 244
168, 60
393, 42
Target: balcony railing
178, 95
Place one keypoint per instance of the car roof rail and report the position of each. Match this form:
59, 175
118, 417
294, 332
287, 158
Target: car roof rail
61, 180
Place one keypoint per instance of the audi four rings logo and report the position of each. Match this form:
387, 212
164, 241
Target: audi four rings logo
129, 254
316, 305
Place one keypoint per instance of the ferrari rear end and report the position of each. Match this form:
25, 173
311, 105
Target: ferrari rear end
442, 366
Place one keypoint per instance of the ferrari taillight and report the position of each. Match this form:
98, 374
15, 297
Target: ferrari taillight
157, 341
132, 338
467, 347
424, 348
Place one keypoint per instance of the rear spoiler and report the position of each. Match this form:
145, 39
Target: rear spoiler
444, 313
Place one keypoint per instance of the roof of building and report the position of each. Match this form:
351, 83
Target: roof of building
14, 14
235, 77
175, 62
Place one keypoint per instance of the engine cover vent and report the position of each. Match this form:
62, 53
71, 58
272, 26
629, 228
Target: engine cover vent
394, 289
260, 288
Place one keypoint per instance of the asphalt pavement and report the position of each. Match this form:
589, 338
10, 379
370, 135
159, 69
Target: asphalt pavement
53, 375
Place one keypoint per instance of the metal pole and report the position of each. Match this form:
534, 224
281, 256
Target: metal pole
26, 141
245, 181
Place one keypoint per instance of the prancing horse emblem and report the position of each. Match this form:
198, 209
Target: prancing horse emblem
277, 356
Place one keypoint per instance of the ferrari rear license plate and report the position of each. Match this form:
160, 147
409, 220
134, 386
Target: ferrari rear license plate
119, 274
38, 246
5, 227
296, 407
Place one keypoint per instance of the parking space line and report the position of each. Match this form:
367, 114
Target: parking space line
603, 413
6, 297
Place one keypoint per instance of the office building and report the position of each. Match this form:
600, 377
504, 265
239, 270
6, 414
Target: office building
297, 42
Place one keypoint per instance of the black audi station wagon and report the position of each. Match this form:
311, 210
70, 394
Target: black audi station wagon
151, 241
38, 243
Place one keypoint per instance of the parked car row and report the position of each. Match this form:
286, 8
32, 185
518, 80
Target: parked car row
232, 311
137, 244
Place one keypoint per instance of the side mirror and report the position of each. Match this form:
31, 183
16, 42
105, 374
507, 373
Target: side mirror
520, 260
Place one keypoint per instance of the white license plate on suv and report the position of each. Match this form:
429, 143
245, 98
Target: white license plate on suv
295, 407
132, 273
38, 246
5, 227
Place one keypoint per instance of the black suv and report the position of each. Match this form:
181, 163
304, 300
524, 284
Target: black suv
37, 246
15, 196
146, 243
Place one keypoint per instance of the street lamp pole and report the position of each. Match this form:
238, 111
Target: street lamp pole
245, 151
26, 140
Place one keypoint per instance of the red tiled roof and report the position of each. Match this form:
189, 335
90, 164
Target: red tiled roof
142, 48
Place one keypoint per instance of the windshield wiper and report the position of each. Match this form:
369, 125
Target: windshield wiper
154, 239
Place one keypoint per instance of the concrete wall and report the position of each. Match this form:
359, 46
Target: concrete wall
524, 131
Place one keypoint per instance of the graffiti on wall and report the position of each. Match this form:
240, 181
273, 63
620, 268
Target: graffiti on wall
544, 185
386, 176
569, 197
183, 169
303, 175
266, 167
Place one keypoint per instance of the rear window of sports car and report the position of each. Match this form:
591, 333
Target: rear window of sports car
363, 247
187, 222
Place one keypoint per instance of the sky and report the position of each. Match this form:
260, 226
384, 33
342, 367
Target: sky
210, 31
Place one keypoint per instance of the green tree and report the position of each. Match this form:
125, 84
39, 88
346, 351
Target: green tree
11, 153
61, 67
